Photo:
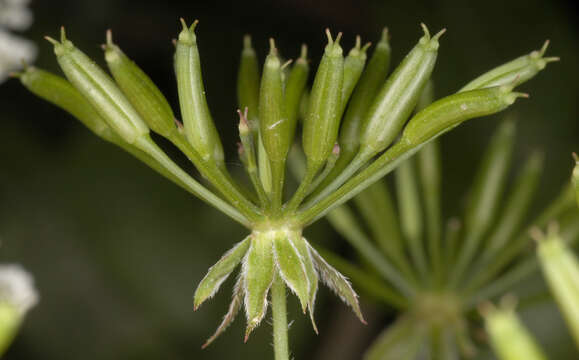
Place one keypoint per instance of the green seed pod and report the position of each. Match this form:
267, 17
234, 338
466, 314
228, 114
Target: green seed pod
399, 96
561, 271
219, 272
449, 112
576, 176
508, 336
353, 67
140, 90
198, 124
514, 72
274, 125
294, 90
248, 83
323, 120
373, 76
99, 90
61, 93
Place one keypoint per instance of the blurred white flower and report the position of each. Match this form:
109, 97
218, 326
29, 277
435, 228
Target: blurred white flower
17, 288
15, 15
14, 50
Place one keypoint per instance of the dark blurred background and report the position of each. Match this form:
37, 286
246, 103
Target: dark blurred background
117, 250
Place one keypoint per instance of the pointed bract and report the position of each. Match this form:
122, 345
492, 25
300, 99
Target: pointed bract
257, 272
303, 248
219, 272
338, 283
234, 307
291, 266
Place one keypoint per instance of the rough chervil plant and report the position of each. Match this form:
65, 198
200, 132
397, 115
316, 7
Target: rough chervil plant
431, 275
355, 130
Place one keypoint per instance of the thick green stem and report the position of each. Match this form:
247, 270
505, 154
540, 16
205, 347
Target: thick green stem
279, 314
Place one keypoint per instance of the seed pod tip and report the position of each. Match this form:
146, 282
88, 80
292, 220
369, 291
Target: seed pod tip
247, 41
426, 31
52, 40
544, 47
304, 52
439, 34
366, 46
62, 34
576, 157
329, 36
385, 35
536, 234
287, 63
109, 37
272, 48
358, 43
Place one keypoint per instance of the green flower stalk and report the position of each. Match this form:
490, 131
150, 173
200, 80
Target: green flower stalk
417, 268
342, 157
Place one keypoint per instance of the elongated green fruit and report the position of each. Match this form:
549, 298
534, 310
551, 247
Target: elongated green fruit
399, 96
514, 72
509, 338
274, 126
428, 124
353, 67
99, 90
61, 93
561, 269
273, 123
294, 90
198, 124
445, 114
248, 83
140, 90
391, 107
322, 122
373, 76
